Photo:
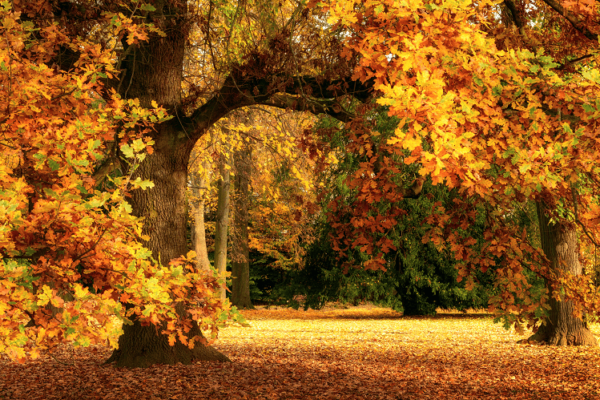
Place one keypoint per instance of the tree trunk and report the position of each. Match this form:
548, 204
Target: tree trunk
561, 328
164, 210
240, 270
199, 185
222, 222
200, 237
154, 72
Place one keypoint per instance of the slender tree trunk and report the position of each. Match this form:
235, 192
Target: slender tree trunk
199, 185
562, 328
240, 271
222, 222
200, 237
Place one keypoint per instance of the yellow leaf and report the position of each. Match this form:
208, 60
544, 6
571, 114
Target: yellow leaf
411, 143
40, 336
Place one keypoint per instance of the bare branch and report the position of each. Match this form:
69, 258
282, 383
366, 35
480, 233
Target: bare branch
576, 60
300, 93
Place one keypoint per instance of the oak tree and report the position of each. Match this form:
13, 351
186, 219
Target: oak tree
198, 61
72, 259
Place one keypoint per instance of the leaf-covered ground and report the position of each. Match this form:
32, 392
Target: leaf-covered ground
354, 353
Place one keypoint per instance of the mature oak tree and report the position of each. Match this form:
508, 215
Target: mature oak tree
199, 61
70, 252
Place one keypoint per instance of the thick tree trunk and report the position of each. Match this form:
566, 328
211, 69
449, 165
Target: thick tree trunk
240, 267
153, 71
222, 222
199, 185
142, 346
164, 210
562, 328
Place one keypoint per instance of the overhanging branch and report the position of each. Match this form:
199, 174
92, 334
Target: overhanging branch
303, 93
572, 18
316, 106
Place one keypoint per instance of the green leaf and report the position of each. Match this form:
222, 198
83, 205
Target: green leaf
53, 165
588, 108
509, 152
177, 271
51, 193
147, 7
127, 151
94, 145
94, 203
143, 253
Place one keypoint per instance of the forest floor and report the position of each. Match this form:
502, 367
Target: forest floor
360, 352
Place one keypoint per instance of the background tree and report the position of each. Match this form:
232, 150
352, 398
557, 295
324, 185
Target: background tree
222, 218
419, 277
199, 186
229, 141
240, 256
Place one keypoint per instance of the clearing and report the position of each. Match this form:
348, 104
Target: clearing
358, 352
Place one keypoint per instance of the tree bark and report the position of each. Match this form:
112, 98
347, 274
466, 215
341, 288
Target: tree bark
240, 270
200, 237
164, 211
561, 328
154, 72
199, 185
222, 222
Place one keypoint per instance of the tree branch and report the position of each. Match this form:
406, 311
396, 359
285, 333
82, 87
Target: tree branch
576, 60
316, 106
572, 18
300, 93
515, 17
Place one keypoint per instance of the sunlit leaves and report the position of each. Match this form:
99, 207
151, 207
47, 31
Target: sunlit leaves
281, 179
473, 101
70, 252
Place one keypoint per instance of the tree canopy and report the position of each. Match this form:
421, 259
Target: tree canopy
496, 101
495, 104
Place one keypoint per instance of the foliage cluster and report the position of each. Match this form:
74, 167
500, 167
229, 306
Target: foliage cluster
419, 277
495, 113
71, 253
